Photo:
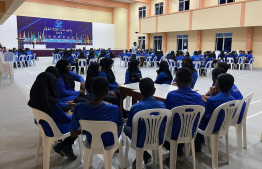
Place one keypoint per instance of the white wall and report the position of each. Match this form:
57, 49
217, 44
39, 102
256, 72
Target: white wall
8, 33
103, 34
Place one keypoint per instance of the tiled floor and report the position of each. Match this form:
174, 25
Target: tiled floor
18, 133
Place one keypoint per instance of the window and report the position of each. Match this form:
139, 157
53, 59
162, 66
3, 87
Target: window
158, 42
159, 8
183, 5
182, 42
142, 12
225, 1
223, 41
141, 42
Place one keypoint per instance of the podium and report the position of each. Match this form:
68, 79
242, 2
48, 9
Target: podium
21, 42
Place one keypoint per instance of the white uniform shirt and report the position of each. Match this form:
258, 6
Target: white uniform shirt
134, 50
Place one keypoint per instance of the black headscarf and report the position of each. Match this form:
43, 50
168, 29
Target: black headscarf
43, 93
133, 66
188, 63
164, 67
53, 70
106, 63
67, 77
91, 74
222, 55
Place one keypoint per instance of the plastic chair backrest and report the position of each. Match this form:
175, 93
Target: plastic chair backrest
92, 60
82, 62
126, 58
73, 55
96, 129
240, 60
229, 108
39, 115
246, 100
21, 58
230, 60
99, 60
172, 63
251, 61
153, 123
209, 64
197, 64
57, 56
28, 57
179, 64
148, 58
154, 59
188, 115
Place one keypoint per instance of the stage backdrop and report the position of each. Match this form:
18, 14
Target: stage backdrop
54, 33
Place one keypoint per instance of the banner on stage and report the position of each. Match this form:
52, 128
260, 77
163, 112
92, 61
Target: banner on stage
54, 33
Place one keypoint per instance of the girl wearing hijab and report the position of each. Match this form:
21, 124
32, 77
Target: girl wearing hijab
164, 75
133, 74
72, 61
92, 72
43, 97
187, 62
66, 84
82, 55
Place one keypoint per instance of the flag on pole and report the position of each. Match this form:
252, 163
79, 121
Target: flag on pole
43, 35
31, 39
34, 39
24, 35
28, 37
87, 38
40, 38
20, 36
76, 38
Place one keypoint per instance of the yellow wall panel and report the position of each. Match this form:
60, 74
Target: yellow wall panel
217, 17
120, 15
174, 22
253, 11
256, 46
208, 3
148, 25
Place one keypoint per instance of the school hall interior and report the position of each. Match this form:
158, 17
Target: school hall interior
130, 48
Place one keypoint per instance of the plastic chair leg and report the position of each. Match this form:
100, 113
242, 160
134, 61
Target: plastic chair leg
187, 150
38, 145
160, 157
239, 138
139, 158
121, 154
126, 152
227, 148
155, 159
108, 159
245, 134
214, 150
88, 156
173, 154
46, 154
80, 141
261, 137
193, 153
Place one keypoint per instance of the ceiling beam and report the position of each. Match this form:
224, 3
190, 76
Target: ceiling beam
144, 1
107, 3
2, 7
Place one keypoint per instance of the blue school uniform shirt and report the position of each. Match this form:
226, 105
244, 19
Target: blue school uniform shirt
144, 104
71, 60
64, 92
195, 58
127, 77
202, 57
249, 56
211, 104
162, 78
107, 56
15, 53
207, 59
194, 77
180, 97
62, 121
112, 86
102, 112
180, 58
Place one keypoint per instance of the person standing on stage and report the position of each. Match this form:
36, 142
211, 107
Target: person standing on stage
134, 51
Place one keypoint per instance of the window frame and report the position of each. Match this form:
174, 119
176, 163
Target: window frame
224, 36
182, 37
141, 39
184, 5
219, 3
158, 39
142, 9
160, 4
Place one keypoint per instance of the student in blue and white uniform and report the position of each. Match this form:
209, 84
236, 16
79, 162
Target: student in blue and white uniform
133, 74
183, 96
164, 75
181, 56
202, 57
221, 56
195, 57
97, 110
249, 56
223, 85
147, 90
15, 51
73, 62
21, 52
43, 97
66, 83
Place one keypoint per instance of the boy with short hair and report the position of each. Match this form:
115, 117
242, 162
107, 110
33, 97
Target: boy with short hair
147, 89
195, 57
97, 110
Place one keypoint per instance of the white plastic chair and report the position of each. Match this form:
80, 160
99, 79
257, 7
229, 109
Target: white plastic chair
74, 56
155, 61
113, 64
99, 60
96, 129
207, 68
221, 60
250, 63
126, 60
161, 59
197, 65
6, 68
82, 64
57, 58
33, 60
53, 58
92, 60
241, 127
46, 141
148, 61
241, 62
185, 135
21, 60
121, 60
153, 124
230, 61
28, 60
179, 64
229, 108
15, 61
172, 65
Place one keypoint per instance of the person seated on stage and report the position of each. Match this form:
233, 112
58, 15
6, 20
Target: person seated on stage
92, 72
147, 90
164, 75
43, 97
66, 83
195, 57
249, 57
133, 74
224, 83
97, 110
202, 57
15, 51
187, 62
181, 56
73, 62
184, 95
